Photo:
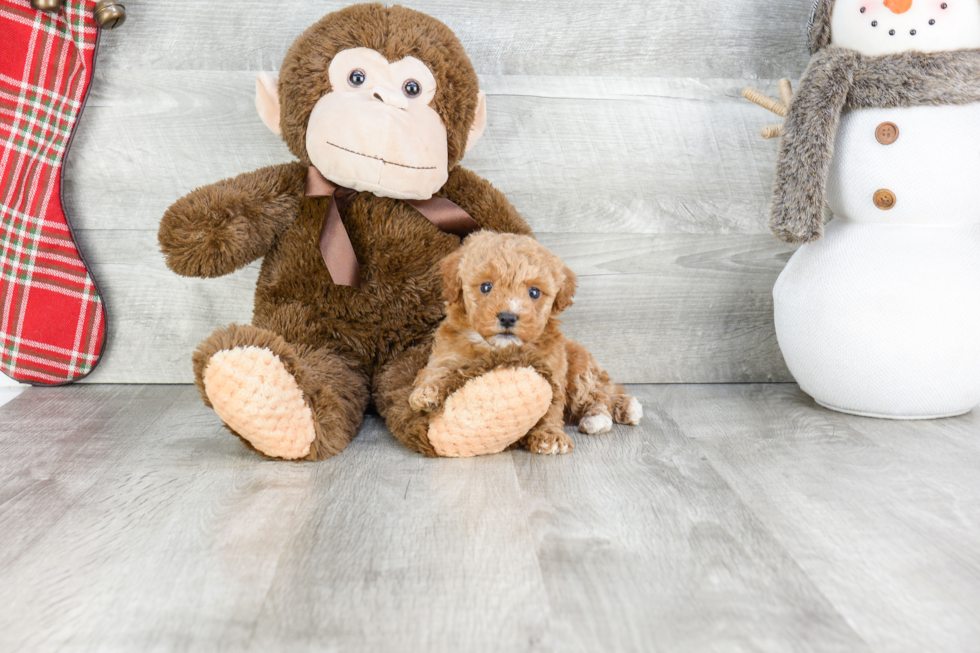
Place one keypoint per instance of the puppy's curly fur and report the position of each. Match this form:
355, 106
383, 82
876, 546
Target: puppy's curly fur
505, 290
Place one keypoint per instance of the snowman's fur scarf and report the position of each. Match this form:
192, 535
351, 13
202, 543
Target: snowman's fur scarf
818, 31
838, 79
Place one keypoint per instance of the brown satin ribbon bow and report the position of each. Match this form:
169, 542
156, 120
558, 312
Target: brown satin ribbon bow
335, 245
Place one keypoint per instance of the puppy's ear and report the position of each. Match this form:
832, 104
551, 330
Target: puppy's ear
452, 283
568, 287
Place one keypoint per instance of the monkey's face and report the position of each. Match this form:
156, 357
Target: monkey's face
376, 130
878, 27
380, 99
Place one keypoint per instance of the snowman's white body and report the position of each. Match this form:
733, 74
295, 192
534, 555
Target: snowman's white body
882, 316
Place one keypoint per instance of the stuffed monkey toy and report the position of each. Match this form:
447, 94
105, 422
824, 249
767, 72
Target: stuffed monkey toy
878, 313
378, 104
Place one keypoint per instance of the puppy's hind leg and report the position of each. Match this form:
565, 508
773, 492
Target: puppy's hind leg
625, 409
587, 400
594, 401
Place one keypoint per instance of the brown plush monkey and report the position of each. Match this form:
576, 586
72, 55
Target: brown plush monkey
382, 102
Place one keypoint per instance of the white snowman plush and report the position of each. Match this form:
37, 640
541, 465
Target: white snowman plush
879, 313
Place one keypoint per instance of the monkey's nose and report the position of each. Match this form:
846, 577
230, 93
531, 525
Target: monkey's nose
899, 6
396, 100
507, 320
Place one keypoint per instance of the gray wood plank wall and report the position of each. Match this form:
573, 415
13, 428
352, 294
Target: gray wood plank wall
616, 128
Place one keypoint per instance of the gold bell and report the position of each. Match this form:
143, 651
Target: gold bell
109, 14
47, 5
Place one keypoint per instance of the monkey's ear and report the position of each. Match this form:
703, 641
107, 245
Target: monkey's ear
479, 122
564, 297
267, 101
452, 283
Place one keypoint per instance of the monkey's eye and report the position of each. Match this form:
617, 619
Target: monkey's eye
357, 78
412, 88
534, 293
486, 288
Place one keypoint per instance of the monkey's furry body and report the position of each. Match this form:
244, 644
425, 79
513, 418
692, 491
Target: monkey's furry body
295, 383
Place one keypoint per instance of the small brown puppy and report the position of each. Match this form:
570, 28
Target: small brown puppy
505, 290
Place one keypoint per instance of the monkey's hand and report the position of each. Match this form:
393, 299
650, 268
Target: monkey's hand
220, 228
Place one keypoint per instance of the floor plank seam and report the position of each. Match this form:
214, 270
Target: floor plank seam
665, 416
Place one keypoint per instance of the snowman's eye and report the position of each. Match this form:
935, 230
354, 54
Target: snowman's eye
891, 32
912, 32
874, 23
943, 5
932, 22
863, 9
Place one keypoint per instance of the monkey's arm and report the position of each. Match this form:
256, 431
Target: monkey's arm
217, 229
488, 206
807, 147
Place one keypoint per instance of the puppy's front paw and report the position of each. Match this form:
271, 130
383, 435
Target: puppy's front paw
424, 399
548, 441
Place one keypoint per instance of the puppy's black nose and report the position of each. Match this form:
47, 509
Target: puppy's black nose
507, 320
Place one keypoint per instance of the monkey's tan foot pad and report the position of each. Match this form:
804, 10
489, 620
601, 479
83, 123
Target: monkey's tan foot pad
253, 394
490, 413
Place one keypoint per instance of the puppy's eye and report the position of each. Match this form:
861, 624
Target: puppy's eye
534, 293
357, 78
412, 88
486, 288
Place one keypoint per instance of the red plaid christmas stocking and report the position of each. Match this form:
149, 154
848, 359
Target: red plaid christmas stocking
52, 329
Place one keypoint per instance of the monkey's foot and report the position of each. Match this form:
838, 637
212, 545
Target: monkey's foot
256, 396
490, 413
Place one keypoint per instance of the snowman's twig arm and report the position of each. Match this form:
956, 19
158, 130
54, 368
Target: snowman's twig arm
780, 108
808, 145
765, 101
786, 91
772, 131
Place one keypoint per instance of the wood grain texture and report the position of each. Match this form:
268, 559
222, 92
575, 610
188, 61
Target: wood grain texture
590, 156
754, 38
652, 308
644, 547
736, 518
882, 515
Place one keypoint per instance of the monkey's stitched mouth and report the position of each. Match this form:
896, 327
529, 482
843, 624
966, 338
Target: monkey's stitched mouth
378, 158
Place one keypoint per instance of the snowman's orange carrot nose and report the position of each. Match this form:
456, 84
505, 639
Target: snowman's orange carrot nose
899, 6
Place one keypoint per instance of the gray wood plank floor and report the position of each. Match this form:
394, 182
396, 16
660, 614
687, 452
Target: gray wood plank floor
737, 518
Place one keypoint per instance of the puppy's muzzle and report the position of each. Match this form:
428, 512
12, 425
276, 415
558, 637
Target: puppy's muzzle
507, 320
